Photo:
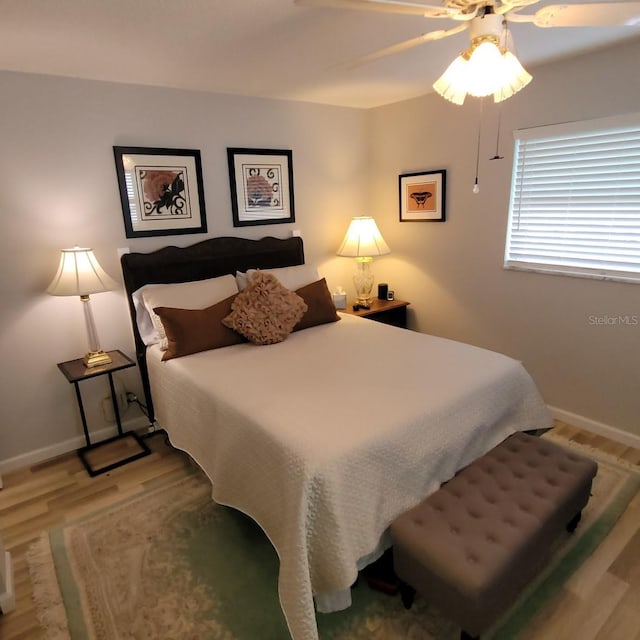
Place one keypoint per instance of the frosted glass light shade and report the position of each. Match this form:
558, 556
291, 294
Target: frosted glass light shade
452, 84
516, 77
485, 70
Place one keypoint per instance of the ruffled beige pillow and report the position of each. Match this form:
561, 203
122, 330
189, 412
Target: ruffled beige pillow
265, 312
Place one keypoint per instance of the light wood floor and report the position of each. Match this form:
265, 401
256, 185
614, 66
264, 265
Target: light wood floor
606, 606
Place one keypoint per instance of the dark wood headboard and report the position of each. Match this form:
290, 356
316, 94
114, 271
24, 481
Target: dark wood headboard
207, 259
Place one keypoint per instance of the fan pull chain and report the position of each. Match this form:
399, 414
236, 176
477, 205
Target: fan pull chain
497, 156
476, 186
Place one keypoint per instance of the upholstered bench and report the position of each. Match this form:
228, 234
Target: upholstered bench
471, 547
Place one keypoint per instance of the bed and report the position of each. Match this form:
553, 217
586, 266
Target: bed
324, 438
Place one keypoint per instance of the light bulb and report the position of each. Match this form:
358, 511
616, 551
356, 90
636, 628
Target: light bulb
476, 188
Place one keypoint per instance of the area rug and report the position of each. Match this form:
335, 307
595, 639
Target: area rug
171, 564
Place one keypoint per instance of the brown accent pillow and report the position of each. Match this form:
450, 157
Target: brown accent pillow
265, 312
320, 307
194, 330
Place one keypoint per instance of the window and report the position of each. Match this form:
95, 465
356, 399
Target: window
575, 199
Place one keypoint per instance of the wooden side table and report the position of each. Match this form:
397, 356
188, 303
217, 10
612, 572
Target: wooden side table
75, 371
392, 312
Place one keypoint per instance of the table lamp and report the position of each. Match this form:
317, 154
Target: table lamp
80, 274
363, 241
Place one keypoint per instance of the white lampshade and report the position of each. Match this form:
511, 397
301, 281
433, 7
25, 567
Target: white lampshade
363, 239
80, 274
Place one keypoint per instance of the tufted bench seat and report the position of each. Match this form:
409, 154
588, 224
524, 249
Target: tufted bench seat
471, 546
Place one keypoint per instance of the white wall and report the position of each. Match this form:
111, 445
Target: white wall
452, 272
60, 189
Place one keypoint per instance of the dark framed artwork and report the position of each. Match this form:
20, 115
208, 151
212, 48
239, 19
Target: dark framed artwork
261, 182
161, 191
422, 196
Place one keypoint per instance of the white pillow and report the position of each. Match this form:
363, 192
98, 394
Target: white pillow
185, 295
290, 277
146, 329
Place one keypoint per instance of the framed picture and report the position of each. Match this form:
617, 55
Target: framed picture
161, 191
261, 183
422, 196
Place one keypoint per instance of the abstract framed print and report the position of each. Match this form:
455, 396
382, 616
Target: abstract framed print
261, 182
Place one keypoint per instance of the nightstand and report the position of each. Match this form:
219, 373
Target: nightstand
75, 372
392, 312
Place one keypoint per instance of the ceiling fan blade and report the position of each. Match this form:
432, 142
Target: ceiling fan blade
386, 6
601, 14
407, 44
512, 5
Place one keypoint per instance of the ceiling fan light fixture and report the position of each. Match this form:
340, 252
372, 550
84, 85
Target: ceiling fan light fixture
485, 68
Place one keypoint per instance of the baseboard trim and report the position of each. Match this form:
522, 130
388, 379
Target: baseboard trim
46, 453
599, 428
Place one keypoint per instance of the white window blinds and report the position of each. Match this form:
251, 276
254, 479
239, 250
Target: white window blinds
575, 199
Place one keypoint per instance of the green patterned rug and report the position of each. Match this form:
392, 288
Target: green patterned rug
170, 563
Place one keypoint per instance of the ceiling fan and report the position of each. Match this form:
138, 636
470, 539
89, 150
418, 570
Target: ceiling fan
598, 14
486, 21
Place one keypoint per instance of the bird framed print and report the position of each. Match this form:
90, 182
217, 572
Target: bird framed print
422, 196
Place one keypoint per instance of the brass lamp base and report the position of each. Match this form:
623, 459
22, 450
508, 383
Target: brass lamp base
96, 359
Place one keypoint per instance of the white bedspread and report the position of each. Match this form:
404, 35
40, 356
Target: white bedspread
325, 438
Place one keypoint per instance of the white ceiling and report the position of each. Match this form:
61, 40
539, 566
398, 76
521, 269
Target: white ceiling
268, 48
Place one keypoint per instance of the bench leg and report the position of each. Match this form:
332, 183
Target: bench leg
407, 594
573, 523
